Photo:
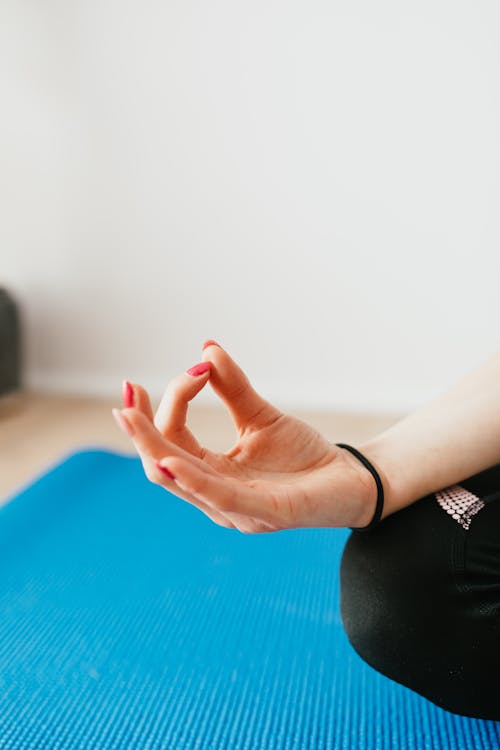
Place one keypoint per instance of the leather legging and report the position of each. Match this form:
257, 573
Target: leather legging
420, 596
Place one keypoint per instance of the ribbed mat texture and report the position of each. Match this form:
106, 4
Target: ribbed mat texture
128, 620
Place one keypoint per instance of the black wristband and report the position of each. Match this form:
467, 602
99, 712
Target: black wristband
380, 488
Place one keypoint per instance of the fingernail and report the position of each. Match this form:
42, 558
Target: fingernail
123, 423
165, 471
199, 369
211, 342
127, 394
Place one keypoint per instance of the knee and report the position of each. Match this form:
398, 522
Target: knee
394, 581
405, 616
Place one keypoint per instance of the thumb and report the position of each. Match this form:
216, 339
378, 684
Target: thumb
248, 409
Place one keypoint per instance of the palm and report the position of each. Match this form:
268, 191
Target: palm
282, 450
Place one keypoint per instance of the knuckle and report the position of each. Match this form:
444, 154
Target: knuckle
266, 415
227, 502
223, 504
239, 390
172, 431
198, 485
227, 524
242, 529
218, 518
262, 528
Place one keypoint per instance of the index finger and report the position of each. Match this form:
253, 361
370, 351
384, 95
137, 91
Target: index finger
170, 417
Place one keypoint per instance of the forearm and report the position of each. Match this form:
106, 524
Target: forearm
454, 436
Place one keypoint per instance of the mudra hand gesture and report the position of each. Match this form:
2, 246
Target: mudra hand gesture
280, 474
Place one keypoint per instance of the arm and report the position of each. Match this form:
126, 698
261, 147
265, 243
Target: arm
281, 473
453, 437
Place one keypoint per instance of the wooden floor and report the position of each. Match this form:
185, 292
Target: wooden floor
36, 430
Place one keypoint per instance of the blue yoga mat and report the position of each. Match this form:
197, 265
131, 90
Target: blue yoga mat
129, 620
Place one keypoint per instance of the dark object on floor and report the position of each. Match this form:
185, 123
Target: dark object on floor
128, 620
10, 359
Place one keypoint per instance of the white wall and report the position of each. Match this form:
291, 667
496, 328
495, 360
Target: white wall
315, 184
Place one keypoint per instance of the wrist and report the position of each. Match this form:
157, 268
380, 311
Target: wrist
361, 488
378, 452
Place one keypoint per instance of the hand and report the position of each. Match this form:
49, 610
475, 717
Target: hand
280, 474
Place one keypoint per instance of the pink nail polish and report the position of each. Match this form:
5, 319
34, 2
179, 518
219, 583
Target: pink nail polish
165, 471
211, 342
123, 423
199, 369
127, 394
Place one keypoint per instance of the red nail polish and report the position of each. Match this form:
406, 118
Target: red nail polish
199, 369
165, 471
127, 394
211, 342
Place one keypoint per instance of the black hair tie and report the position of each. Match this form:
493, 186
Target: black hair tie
380, 488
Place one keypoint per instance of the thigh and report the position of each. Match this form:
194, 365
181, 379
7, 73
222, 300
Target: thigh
420, 596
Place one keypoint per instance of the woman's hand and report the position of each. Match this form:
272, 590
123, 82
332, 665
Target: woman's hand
280, 474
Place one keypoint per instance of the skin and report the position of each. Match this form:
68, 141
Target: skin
281, 473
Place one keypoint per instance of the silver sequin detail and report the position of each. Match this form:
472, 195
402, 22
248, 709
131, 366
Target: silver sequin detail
459, 503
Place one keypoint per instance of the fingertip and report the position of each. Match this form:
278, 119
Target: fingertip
174, 464
202, 368
142, 401
210, 342
173, 467
127, 394
164, 469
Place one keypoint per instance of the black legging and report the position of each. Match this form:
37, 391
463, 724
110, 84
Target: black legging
420, 596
